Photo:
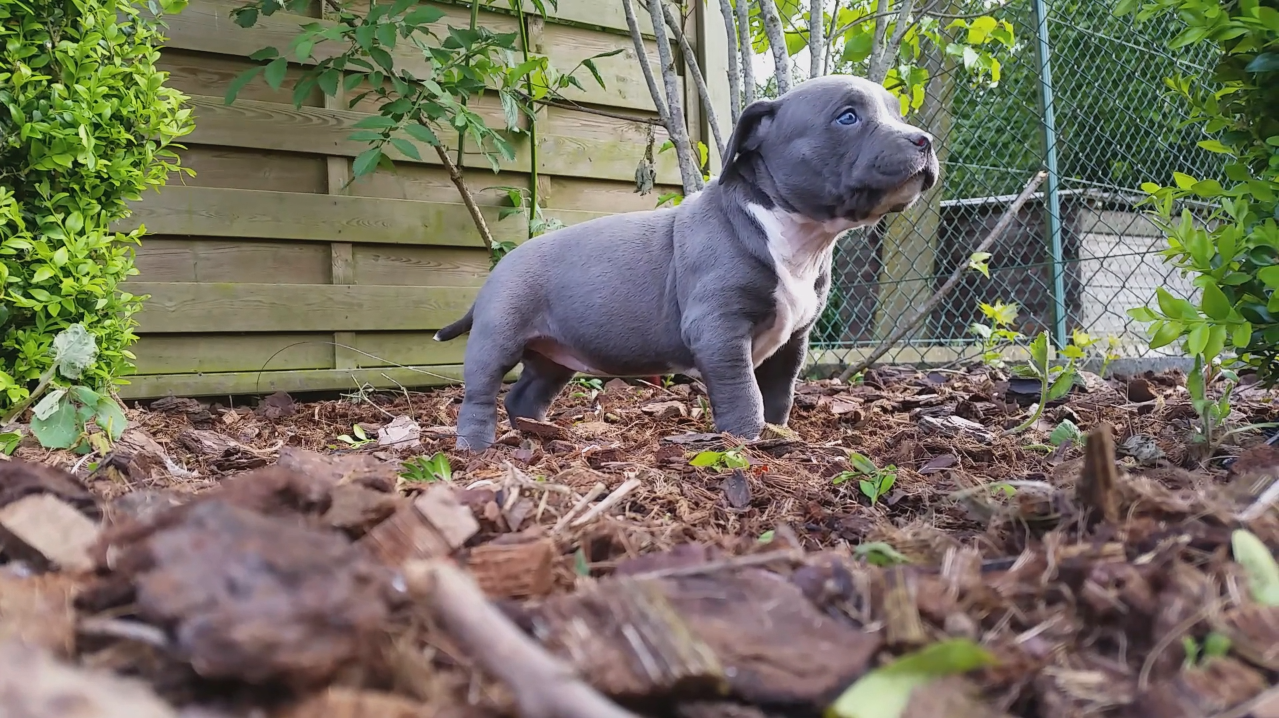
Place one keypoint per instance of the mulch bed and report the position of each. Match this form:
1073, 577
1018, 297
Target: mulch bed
244, 561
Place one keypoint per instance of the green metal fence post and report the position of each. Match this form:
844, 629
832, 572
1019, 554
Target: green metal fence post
1051, 186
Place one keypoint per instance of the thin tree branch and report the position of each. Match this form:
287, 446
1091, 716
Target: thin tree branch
909, 325
734, 72
746, 49
777, 43
641, 55
877, 42
816, 38
831, 35
543, 685
455, 174
699, 80
690, 173
567, 104
899, 31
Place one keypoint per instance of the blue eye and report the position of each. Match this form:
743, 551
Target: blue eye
847, 117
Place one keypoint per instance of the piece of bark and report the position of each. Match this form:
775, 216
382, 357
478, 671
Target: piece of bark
900, 609
46, 532
516, 570
949, 697
223, 453
1098, 487
38, 612
737, 491
1218, 684
435, 524
136, 459
337, 702
665, 410
354, 468
541, 429
690, 637
357, 509
34, 683
19, 479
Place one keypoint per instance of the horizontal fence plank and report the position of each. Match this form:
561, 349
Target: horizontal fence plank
217, 212
406, 349
388, 264
250, 383
233, 168
205, 353
183, 307
206, 26
279, 127
165, 259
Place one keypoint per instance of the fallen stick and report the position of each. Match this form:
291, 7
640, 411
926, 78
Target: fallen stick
544, 687
590, 496
902, 330
609, 502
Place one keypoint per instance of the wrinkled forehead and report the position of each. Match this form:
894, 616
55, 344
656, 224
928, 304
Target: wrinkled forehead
830, 94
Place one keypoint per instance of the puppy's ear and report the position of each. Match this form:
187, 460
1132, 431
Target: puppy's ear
750, 130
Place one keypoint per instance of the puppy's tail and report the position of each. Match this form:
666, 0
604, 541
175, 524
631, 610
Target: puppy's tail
458, 328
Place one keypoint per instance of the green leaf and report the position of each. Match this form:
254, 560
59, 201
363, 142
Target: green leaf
239, 82
1214, 303
74, 350
424, 15
1061, 385
1259, 565
1166, 333
266, 53
707, 458
1265, 62
408, 148
1214, 146
60, 429
1039, 351
328, 82
980, 28
1065, 432
858, 47
246, 17
1241, 335
1269, 276
275, 71
1197, 340
885, 691
366, 162
1184, 181
49, 404
862, 463
422, 133
1142, 314
374, 122
110, 418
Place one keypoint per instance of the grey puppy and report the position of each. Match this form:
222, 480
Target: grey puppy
723, 287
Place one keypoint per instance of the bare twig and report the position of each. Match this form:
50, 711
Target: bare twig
1264, 502
135, 631
734, 71
543, 686
816, 38
609, 502
745, 49
777, 43
699, 80
877, 42
641, 54
567, 104
899, 31
468, 199
727, 564
690, 175
829, 45
909, 325
590, 496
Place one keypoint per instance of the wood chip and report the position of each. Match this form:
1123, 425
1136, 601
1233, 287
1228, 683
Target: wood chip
664, 410
34, 683
541, 429
435, 524
41, 529
351, 703
37, 612
1098, 487
515, 570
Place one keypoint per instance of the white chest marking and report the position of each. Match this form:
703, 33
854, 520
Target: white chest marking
801, 249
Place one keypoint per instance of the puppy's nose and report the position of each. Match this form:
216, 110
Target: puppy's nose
922, 140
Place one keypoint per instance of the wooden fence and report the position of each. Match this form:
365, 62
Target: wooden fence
265, 274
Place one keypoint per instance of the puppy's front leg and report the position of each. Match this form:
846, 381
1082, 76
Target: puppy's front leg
776, 377
723, 358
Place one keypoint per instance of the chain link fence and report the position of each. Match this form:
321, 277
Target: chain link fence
1082, 95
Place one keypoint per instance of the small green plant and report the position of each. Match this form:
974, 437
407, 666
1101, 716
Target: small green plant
1215, 645
1110, 355
997, 334
873, 481
878, 553
1259, 566
421, 470
592, 386
721, 460
767, 536
885, 691
1054, 381
360, 439
59, 419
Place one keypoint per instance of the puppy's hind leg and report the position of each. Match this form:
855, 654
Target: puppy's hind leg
540, 382
490, 355
776, 377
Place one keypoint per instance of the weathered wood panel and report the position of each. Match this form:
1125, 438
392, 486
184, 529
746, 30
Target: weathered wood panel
268, 270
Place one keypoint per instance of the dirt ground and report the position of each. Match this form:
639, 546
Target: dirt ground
246, 561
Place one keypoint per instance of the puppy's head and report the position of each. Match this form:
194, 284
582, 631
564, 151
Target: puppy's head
833, 148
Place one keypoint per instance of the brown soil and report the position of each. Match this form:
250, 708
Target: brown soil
245, 561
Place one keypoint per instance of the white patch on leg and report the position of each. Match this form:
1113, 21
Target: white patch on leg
801, 248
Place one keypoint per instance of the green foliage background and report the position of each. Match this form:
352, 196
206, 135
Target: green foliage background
86, 124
